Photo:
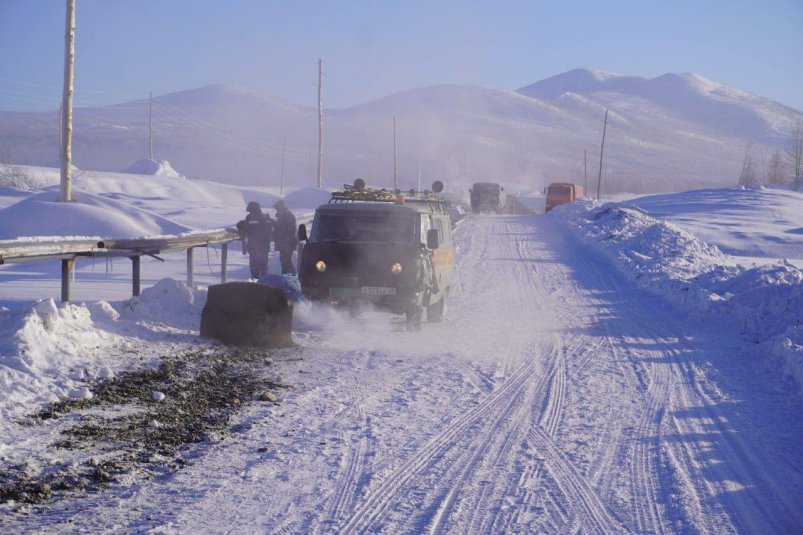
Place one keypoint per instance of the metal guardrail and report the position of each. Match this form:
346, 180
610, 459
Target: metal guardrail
67, 250
32, 250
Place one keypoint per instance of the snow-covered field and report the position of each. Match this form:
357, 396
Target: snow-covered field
601, 369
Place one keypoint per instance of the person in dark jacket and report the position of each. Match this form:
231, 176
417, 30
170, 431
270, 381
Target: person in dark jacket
285, 236
256, 230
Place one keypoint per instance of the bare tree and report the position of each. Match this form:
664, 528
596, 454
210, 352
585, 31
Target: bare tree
794, 150
748, 176
776, 168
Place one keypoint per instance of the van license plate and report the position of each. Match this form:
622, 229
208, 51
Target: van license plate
378, 290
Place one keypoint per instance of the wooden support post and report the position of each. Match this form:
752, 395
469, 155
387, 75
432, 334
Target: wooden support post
135, 275
320, 122
189, 267
66, 278
601, 148
224, 256
66, 107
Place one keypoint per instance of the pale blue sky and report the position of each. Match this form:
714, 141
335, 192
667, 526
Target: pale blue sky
373, 48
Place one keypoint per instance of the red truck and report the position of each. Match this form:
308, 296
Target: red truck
562, 193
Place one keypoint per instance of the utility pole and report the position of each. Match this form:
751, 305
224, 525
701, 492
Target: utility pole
320, 121
61, 133
66, 104
585, 172
419, 166
150, 125
601, 149
395, 169
281, 173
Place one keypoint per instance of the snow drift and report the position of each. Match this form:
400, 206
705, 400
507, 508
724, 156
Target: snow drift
89, 215
50, 350
170, 303
47, 350
153, 167
764, 302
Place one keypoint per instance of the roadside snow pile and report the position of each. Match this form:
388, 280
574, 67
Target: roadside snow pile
50, 350
45, 348
752, 223
765, 302
89, 215
153, 167
169, 302
309, 198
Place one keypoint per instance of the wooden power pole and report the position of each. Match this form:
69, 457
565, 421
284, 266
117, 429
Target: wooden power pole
419, 166
320, 122
601, 149
281, 174
66, 104
585, 172
395, 167
150, 125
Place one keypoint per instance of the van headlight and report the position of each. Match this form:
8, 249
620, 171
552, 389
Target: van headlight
396, 268
320, 265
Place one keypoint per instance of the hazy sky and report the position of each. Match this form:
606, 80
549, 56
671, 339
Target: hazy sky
373, 48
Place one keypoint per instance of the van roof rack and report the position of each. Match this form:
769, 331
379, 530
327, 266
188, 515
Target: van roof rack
364, 194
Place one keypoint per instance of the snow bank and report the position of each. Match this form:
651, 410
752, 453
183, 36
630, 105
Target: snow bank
169, 302
50, 350
765, 302
153, 167
307, 198
743, 222
88, 215
45, 349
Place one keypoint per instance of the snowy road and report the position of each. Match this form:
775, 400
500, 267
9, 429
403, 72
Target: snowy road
555, 398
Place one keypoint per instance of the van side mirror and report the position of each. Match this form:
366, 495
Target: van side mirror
433, 239
302, 232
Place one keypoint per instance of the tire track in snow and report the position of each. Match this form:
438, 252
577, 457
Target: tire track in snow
356, 459
759, 506
665, 375
641, 454
376, 501
547, 412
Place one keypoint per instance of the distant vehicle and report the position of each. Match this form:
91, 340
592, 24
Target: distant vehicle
388, 248
487, 197
562, 193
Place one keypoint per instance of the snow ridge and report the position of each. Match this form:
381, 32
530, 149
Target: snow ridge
764, 302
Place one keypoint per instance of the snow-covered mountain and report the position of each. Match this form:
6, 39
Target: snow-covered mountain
676, 131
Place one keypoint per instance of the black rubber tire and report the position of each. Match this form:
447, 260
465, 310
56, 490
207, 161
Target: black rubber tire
414, 318
435, 311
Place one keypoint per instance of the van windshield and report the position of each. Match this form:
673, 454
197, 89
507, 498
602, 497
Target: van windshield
364, 227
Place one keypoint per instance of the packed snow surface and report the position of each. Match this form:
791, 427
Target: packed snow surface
600, 370
153, 167
750, 223
87, 215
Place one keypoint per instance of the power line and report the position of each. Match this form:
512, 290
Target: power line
214, 127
